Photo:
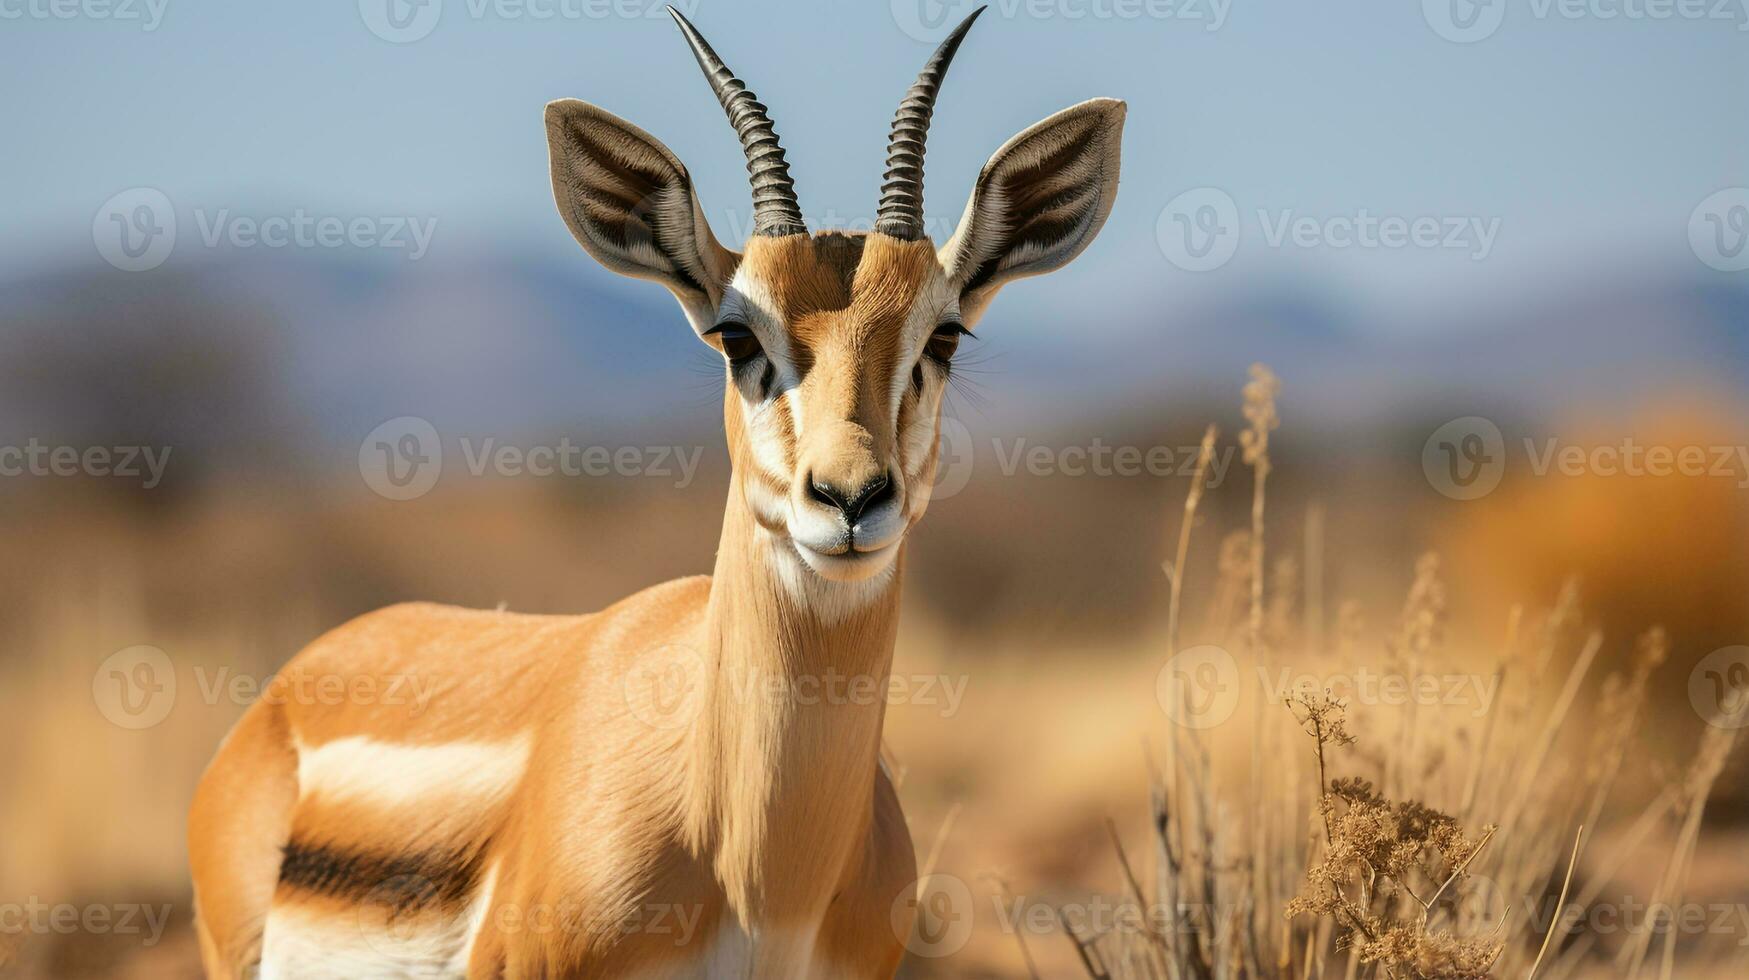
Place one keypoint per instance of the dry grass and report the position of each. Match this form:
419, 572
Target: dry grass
1061, 656
1433, 843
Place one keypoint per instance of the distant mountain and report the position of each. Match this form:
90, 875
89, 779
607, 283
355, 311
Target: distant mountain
324, 346
1600, 343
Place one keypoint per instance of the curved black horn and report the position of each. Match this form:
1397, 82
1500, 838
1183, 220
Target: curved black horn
901, 211
775, 210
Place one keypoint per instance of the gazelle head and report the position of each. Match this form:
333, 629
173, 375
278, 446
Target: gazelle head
838, 345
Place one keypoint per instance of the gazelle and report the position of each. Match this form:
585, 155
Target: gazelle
555, 812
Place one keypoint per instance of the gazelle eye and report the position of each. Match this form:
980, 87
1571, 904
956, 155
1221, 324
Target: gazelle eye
739, 344
944, 342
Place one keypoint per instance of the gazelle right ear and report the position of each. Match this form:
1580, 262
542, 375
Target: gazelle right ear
630, 203
1039, 201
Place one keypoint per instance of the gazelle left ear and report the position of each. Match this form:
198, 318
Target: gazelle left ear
1038, 202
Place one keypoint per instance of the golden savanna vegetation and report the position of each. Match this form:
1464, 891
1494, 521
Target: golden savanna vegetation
1269, 728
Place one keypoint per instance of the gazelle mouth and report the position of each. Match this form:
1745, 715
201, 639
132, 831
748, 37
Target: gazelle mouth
847, 564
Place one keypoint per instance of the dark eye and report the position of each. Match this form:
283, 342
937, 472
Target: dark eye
739, 344
944, 342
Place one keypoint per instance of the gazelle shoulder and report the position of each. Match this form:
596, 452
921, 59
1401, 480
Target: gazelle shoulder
661, 616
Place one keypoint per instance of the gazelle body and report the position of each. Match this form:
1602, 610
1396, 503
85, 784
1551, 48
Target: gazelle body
644, 791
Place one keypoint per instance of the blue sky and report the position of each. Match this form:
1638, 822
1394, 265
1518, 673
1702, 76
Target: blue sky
1586, 140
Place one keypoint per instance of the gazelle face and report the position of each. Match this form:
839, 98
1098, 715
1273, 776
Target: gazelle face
838, 349
837, 345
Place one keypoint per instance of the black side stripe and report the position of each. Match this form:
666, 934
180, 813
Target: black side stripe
403, 882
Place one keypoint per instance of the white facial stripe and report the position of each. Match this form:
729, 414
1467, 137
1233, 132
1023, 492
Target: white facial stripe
919, 438
752, 302
935, 302
765, 433
921, 481
770, 507
387, 774
792, 399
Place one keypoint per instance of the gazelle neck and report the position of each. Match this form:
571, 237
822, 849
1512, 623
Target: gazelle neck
785, 753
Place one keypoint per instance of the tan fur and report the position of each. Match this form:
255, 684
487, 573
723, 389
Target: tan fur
240, 819
738, 816
845, 301
546, 804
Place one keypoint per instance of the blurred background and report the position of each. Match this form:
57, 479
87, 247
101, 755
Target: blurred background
275, 278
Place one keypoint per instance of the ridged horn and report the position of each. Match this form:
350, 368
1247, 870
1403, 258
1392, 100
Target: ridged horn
775, 210
901, 210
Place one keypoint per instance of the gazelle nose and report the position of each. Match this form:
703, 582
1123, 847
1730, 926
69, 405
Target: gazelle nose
852, 503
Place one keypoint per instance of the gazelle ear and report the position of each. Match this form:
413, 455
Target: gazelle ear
630, 203
1038, 202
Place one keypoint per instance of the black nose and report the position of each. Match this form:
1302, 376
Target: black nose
870, 494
